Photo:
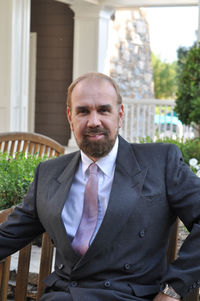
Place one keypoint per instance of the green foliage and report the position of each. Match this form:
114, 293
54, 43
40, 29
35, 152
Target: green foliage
16, 174
164, 75
182, 55
188, 93
189, 148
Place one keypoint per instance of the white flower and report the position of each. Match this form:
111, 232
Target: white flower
193, 162
198, 173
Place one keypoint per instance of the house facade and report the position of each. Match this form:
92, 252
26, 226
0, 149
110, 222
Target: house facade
44, 46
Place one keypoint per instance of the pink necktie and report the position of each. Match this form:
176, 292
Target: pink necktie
88, 221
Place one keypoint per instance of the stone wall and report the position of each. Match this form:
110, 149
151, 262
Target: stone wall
130, 63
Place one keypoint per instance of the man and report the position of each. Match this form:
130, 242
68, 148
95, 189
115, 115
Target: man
142, 188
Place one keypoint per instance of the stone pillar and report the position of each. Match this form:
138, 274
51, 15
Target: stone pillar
131, 67
131, 63
14, 58
91, 36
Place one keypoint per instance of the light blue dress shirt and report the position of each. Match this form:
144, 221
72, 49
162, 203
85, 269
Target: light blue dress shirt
72, 210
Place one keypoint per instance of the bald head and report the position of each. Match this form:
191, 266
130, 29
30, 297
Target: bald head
93, 77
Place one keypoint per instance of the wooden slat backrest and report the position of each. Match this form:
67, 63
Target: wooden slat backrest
173, 242
34, 144
4, 264
23, 273
31, 143
45, 263
23, 267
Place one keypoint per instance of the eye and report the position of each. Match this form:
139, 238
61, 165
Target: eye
104, 109
82, 111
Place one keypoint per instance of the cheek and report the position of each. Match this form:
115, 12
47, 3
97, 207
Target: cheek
120, 122
112, 126
78, 126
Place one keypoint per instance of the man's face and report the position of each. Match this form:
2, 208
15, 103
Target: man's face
95, 116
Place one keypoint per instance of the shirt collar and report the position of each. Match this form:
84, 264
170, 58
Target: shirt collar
106, 164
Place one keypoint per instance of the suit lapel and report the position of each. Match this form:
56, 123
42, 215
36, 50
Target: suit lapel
58, 190
127, 185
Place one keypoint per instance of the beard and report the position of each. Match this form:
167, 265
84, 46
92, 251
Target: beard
97, 149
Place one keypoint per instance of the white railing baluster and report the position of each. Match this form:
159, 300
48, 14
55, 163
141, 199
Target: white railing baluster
159, 123
138, 122
132, 123
144, 131
152, 117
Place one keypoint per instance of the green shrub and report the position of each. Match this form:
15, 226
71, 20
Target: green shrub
188, 99
16, 174
189, 148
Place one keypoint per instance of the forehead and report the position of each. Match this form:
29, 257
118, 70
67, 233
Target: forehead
94, 89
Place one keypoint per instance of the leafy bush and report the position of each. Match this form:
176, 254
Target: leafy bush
16, 174
188, 93
189, 148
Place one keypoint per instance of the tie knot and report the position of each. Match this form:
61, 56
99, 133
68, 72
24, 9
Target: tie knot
93, 169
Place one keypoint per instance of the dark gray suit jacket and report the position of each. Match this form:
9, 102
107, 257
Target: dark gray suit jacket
151, 187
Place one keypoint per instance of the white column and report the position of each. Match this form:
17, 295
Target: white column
32, 81
91, 42
5, 63
91, 36
20, 65
14, 60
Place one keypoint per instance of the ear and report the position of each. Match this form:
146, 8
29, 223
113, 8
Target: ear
121, 115
69, 118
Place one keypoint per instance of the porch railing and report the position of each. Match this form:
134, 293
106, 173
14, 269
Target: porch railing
154, 118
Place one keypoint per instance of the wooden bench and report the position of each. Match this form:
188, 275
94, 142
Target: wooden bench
47, 248
34, 144
30, 142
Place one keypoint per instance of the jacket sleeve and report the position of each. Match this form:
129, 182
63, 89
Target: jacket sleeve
183, 190
23, 225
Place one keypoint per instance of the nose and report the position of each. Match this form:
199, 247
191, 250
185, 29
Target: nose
94, 120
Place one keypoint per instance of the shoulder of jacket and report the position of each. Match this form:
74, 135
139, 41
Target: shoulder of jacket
62, 160
161, 149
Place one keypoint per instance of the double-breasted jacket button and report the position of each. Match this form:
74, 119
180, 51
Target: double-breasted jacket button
107, 283
142, 233
60, 266
127, 266
74, 283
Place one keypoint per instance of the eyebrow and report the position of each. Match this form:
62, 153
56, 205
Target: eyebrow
81, 107
105, 107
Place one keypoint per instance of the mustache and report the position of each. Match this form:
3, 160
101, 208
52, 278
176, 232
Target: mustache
96, 131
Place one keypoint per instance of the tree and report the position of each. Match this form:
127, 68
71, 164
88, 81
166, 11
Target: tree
181, 55
164, 75
188, 92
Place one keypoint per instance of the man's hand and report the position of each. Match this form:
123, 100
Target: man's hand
163, 297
